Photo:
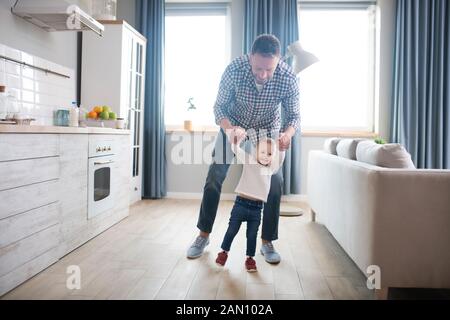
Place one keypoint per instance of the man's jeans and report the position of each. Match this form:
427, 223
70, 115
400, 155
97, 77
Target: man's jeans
222, 158
244, 210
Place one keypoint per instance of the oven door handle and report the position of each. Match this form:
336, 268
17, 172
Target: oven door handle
103, 162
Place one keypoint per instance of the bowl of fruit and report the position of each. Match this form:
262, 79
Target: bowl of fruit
101, 116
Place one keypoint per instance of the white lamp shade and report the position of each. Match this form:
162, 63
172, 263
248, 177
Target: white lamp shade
302, 58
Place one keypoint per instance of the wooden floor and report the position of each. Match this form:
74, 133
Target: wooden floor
144, 257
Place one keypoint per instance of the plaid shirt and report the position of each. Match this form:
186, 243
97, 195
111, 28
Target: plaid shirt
240, 101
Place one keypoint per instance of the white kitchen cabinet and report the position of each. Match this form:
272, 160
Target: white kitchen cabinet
113, 74
15, 147
29, 207
73, 178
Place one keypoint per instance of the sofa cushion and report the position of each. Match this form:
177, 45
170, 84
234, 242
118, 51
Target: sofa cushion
346, 148
330, 145
391, 155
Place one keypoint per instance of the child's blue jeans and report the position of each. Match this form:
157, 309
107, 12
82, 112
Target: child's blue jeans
244, 210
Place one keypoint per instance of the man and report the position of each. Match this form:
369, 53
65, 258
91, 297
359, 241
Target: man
251, 91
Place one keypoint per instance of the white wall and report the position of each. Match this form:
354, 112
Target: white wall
237, 27
126, 10
386, 63
58, 47
39, 94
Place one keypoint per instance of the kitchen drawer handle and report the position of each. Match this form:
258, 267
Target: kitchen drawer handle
104, 162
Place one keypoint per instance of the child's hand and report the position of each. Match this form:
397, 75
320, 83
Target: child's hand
284, 141
236, 135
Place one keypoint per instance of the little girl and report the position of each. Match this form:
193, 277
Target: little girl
252, 190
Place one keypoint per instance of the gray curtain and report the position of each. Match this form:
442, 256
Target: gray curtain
277, 17
421, 98
150, 22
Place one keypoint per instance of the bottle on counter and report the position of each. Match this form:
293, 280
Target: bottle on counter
13, 107
74, 115
82, 117
3, 103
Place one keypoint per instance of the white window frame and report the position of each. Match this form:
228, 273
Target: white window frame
374, 58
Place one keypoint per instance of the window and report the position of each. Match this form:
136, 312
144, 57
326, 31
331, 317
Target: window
338, 93
196, 55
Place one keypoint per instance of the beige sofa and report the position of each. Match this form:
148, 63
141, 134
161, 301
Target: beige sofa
397, 219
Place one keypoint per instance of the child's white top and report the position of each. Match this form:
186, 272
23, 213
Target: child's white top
255, 178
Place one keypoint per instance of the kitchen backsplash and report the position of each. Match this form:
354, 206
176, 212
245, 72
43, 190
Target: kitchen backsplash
39, 94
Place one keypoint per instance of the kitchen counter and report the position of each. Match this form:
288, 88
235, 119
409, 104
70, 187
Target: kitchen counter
6, 128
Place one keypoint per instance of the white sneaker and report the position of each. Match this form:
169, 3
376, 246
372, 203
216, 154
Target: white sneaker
269, 253
197, 248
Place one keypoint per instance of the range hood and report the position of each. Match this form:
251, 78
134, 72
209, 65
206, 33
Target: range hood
56, 15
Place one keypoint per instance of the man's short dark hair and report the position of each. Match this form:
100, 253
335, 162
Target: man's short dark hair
266, 45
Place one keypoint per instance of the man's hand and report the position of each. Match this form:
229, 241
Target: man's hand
284, 140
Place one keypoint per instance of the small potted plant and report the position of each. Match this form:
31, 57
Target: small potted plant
190, 110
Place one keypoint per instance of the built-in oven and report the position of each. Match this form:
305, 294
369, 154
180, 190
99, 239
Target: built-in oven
101, 174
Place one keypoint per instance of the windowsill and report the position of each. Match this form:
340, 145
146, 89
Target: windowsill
196, 129
340, 134
305, 133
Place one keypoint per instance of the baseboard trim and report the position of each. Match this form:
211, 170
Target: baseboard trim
295, 198
230, 196
196, 195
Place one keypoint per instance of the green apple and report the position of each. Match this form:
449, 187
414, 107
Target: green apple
112, 116
104, 115
106, 109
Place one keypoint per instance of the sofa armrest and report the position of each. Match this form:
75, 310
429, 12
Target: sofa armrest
412, 226
395, 218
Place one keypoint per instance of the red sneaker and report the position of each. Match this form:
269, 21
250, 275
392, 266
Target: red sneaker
250, 265
222, 258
